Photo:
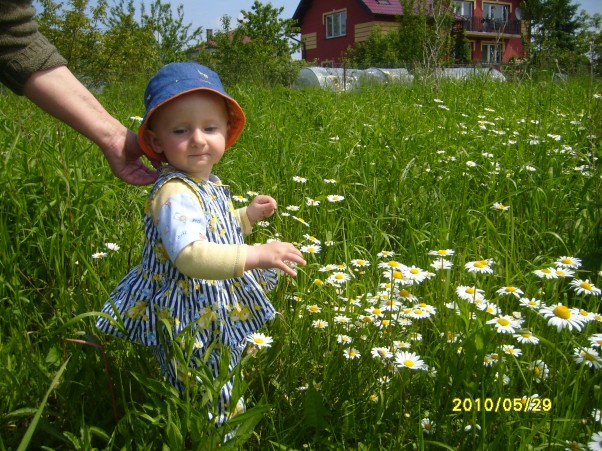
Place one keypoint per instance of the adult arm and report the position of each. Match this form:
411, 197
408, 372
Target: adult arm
60, 94
32, 66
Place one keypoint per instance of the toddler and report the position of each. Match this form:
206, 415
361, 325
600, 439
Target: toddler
196, 271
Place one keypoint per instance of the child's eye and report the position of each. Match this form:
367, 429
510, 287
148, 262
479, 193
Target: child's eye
211, 129
179, 131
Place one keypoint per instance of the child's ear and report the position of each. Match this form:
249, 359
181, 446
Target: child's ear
153, 141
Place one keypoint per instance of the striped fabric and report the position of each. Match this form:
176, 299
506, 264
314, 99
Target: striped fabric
155, 293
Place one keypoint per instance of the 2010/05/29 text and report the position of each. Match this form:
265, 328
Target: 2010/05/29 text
501, 404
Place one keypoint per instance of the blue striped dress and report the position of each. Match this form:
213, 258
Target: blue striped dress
156, 293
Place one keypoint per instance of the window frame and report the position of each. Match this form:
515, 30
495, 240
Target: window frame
486, 52
504, 8
333, 28
462, 4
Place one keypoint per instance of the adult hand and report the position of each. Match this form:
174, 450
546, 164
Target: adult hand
126, 163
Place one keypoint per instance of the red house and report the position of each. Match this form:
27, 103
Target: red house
329, 27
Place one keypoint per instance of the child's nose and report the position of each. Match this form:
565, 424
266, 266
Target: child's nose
198, 136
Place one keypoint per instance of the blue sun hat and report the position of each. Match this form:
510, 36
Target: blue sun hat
176, 79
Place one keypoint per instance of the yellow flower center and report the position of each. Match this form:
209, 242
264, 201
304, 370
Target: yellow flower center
583, 312
586, 285
536, 370
567, 261
503, 322
404, 293
339, 276
442, 252
562, 312
409, 363
470, 290
414, 271
546, 271
377, 311
397, 275
319, 282
481, 263
510, 289
418, 311
259, 340
361, 262
393, 264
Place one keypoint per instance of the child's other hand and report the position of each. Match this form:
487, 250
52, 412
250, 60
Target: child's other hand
274, 255
261, 207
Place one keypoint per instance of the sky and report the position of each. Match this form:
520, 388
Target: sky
207, 13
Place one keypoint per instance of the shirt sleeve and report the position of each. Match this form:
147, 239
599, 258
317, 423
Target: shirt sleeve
23, 49
182, 223
243, 219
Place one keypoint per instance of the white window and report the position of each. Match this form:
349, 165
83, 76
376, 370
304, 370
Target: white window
463, 8
492, 53
496, 12
336, 24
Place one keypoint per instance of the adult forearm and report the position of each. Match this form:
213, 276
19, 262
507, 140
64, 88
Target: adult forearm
60, 94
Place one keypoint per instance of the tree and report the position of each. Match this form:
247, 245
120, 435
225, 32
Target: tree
421, 40
74, 30
554, 26
129, 49
171, 34
259, 49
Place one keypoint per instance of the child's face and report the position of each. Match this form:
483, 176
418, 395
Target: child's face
191, 131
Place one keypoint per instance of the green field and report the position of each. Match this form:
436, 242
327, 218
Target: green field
493, 342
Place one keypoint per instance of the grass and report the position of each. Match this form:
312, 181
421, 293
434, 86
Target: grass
420, 168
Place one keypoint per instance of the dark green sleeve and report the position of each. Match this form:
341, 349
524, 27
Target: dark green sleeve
23, 49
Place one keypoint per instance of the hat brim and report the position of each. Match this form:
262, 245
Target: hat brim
236, 123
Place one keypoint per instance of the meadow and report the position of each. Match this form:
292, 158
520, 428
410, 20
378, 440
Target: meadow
451, 298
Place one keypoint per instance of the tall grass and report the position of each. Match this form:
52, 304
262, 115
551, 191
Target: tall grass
420, 168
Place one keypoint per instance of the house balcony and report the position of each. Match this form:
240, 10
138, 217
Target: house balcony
480, 26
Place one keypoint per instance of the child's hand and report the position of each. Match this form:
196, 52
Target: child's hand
274, 255
261, 207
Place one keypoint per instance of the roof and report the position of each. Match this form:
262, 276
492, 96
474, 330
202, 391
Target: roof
390, 7
381, 7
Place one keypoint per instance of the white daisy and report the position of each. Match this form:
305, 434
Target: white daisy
260, 340
112, 246
568, 262
588, 356
480, 266
540, 370
596, 340
381, 353
442, 252
510, 290
511, 350
526, 337
595, 442
311, 249
335, 198
500, 206
531, 303
98, 255
561, 316
505, 324
351, 353
470, 294
344, 339
585, 287
546, 273
410, 360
